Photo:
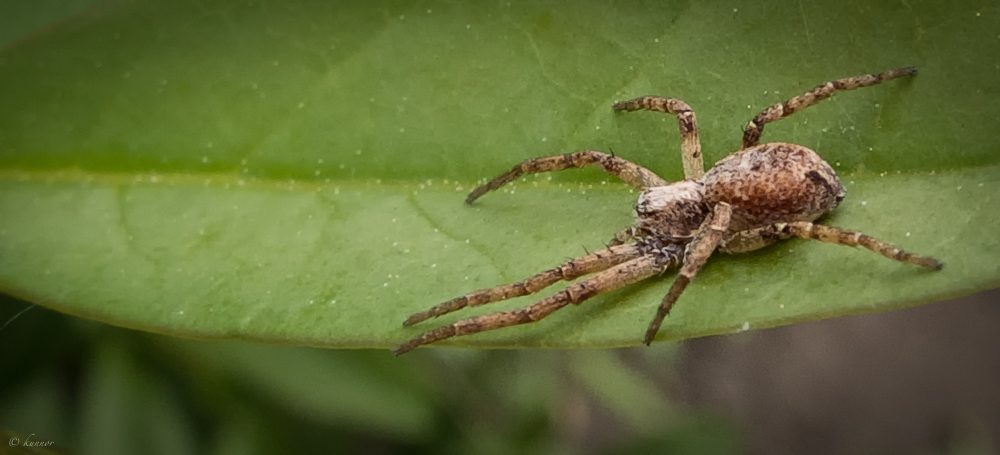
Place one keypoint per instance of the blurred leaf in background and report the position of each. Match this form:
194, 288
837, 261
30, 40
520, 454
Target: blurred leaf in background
96, 389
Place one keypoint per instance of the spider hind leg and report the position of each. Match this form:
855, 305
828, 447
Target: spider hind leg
853, 238
753, 130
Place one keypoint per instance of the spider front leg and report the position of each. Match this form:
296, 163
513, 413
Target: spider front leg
694, 166
584, 265
851, 238
633, 174
751, 135
701, 247
616, 277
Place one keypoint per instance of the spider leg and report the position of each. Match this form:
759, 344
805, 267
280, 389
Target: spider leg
694, 167
751, 135
701, 247
631, 173
616, 277
852, 238
584, 265
752, 239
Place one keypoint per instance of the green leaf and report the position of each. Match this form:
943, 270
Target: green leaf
293, 172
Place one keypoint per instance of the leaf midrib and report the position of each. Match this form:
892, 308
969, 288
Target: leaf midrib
221, 179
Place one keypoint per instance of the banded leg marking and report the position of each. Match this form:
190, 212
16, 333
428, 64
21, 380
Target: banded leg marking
853, 238
701, 247
633, 174
751, 135
616, 277
694, 166
584, 265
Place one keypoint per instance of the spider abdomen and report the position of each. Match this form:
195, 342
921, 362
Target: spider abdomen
773, 183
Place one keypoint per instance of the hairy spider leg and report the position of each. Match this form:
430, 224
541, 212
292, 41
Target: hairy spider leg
751, 239
633, 174
751, 135
570, 270
852, 238
616, 277
701, 247
694, 166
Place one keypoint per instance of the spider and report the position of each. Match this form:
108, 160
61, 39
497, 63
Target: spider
752, 198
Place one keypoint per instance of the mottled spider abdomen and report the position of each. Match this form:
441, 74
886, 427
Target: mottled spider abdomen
773, 183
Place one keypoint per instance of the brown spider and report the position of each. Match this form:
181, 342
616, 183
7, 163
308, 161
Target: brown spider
748, 200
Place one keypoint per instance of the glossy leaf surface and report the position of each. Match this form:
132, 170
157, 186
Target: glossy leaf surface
293, 172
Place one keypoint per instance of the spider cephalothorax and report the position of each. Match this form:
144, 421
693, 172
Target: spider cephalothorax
750, 199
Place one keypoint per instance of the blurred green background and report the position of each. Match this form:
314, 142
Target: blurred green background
96, 389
